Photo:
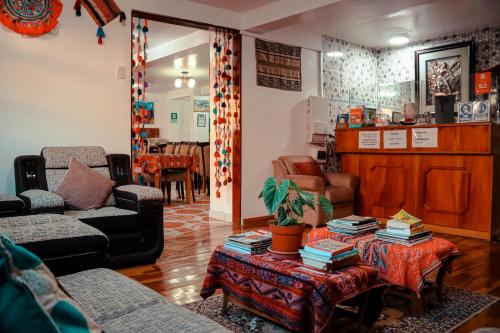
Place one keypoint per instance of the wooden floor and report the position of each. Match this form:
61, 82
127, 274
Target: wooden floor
179, 273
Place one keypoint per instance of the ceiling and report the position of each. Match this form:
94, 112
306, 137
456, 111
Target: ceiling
162, 73
160, 33
373, 22
240, 6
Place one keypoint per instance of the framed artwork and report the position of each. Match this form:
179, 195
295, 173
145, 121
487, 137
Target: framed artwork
482, 111
465, 114
444, 71
201, 120
173, 117
201, 104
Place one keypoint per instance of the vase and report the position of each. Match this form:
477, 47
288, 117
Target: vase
286, 239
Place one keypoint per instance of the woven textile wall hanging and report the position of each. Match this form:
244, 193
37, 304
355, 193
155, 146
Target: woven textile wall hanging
278, 65
139, 102
102, 11
28, 17
226, 106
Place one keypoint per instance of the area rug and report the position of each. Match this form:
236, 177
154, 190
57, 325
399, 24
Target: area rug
180, 218
458, 306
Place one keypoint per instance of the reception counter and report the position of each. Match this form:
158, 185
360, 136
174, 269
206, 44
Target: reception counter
447, 175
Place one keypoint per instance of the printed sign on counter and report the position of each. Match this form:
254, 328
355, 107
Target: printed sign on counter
369, 140
395, 139
424, 137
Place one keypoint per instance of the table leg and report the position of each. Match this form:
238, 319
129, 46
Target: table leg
188, 185
224, 303
157, 180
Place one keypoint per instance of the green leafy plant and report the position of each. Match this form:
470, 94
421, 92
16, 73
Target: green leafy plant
290, 209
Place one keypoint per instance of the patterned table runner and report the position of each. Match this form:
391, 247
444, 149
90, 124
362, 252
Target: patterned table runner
297, 297
405, 266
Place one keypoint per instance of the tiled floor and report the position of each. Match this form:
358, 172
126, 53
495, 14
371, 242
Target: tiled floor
180, 219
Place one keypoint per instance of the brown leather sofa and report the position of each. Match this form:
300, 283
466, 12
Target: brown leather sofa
339, 188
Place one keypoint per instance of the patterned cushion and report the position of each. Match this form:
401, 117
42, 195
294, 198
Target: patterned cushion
43, 199
120, 304
142, 193
37, 228
59, 157
31, 297
101, 212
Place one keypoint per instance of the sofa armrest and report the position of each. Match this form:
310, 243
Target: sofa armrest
138, 193
342, 179
38, 201
308, 183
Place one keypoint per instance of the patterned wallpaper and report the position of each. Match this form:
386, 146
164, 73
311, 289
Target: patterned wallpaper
361, 71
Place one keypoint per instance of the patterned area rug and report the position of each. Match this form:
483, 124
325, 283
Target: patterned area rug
458, 306
180, 218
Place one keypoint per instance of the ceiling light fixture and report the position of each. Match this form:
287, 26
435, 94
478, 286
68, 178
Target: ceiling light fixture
399, 40
335, 54
184, 80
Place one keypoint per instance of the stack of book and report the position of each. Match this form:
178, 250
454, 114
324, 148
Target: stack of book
328, 254
353, 225
251, 242
404, 229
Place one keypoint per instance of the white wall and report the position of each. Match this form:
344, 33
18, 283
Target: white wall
274, 121
60, 89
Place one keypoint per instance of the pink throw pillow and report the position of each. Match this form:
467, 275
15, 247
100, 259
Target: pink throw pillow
83, 188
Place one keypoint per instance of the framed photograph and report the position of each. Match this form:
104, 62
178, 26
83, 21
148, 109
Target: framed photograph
173, 117
444, 71
465, 112
482, 111
201, 120
201, 104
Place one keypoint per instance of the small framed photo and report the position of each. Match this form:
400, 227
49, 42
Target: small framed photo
201, 120
465, 112
482, 111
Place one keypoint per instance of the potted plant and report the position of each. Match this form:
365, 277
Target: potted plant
288, 202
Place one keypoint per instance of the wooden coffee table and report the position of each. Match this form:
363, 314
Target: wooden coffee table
297, 297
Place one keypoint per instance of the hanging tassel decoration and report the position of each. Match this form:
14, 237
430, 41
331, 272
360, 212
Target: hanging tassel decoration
122, 17
78, 7
100, 35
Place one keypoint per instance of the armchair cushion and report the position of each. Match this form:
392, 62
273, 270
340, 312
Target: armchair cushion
139, 193
39, 199
308, 168
339, 194
309, 183
342, 179
82, 188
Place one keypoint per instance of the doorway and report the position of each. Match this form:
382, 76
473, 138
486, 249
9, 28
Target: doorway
173, 111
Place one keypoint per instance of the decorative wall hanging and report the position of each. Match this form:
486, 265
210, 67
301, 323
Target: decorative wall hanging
32, 18
139, 102
102, 11
278, 65
226, 107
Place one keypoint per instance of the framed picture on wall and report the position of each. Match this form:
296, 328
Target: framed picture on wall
444, 71
201, 120
201, 104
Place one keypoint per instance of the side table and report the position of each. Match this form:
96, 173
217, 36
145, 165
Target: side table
10, 205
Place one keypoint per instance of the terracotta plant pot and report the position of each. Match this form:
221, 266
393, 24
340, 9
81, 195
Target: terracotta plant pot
287, 239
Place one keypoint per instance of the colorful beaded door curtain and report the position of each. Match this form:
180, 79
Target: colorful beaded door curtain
226, 106
139, 85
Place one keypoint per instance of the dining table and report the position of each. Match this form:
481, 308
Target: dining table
156, 163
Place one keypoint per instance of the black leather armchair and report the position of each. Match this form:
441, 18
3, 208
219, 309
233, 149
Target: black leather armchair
132, 217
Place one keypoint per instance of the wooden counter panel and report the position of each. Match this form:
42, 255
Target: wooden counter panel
472, 138
444, 190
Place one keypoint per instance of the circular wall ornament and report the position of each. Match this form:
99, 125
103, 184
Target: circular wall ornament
30, 17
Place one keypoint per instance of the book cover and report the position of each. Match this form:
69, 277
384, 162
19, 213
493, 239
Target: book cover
328, 247
306, 254
356, 117
404, 216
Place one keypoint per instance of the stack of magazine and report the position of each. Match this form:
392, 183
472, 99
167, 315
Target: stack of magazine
404, 229
353, 225
328, 254
251, 242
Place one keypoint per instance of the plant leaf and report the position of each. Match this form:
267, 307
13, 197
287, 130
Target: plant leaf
281, 215
327, 207
297, 207
274, 194
307, 199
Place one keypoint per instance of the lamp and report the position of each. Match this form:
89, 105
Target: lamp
184, 80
